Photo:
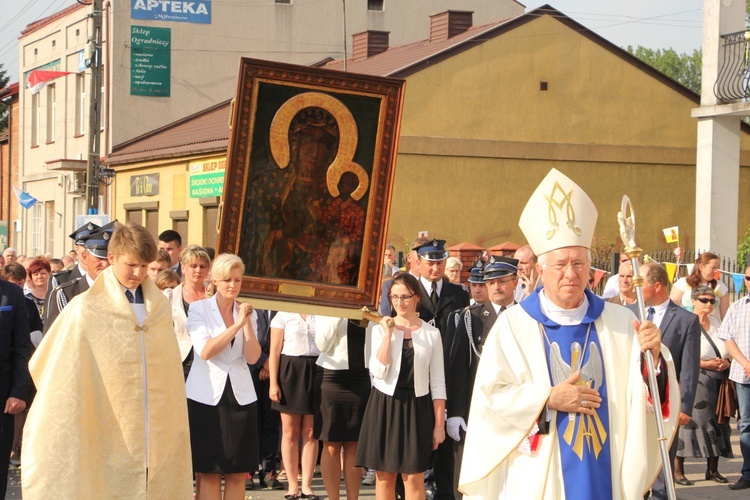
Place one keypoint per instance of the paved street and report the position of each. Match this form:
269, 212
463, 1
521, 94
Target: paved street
694, 468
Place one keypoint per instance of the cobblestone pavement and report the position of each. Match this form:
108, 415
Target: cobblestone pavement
694, 468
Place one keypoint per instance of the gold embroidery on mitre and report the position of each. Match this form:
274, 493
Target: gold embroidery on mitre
553, 206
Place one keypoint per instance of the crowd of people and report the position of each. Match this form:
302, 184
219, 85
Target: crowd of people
151, 378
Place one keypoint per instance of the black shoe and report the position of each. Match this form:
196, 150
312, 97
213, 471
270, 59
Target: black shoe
309, 496
270, 481
741, 484
715, 476
683, 481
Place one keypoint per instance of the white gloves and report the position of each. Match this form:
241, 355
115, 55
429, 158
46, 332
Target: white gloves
454, 425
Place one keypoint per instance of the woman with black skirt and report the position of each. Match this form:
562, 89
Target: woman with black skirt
293, 383
344, 391
220, 390
405, 416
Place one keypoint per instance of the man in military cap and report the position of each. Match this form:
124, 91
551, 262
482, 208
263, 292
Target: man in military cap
477, 290
78, 236
439, 298
94, 257
499, 277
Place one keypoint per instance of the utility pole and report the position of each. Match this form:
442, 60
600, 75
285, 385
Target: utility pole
94, 153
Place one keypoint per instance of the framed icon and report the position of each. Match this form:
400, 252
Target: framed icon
309, 179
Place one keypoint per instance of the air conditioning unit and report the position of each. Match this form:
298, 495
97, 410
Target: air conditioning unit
77, 184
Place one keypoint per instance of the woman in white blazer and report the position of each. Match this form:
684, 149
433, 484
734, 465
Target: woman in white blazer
220, 391
405, 416
195, 263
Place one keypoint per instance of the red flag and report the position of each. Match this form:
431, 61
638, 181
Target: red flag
39, 78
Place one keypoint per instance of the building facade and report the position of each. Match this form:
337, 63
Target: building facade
163, 61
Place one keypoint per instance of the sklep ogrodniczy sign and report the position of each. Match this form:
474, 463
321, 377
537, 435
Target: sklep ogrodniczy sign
186, 11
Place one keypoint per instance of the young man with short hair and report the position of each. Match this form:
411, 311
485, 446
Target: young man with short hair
171, 242
110, 415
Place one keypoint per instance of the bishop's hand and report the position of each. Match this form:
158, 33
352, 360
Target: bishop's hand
570, 396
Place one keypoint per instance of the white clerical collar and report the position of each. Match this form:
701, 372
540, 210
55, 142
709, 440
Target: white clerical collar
563, 316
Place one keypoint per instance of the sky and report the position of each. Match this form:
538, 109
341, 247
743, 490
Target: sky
656, 24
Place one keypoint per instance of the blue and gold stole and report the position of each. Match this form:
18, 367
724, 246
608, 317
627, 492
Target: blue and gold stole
583, 439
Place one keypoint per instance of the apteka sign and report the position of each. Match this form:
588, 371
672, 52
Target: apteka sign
186, 11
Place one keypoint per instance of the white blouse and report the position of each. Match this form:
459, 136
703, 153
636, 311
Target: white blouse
707, 351
299, 334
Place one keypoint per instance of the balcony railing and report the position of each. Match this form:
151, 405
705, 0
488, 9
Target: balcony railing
734, 72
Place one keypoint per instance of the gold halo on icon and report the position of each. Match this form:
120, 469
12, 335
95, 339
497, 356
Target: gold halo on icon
279, 139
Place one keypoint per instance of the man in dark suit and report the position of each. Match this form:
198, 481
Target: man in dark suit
94, 256
15, 351
269, 419
439, 298
681, 333
500, 277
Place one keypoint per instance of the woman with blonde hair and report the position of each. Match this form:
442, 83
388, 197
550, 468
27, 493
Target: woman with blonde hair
195, 263
221, 396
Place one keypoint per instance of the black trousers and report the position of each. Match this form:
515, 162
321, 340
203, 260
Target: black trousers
6, 443
443, 470
269, 423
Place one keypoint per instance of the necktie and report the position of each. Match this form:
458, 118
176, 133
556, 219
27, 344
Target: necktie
129, 296
650, 315
134, 299
433, 294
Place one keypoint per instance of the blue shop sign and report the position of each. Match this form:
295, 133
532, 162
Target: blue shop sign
186, 11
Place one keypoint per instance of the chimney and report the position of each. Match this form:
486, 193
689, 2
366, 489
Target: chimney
368, 44
448, 24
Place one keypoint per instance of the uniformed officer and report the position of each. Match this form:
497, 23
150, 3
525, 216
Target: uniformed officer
500, 279
58, 278
94, 256
439, 298
479, 295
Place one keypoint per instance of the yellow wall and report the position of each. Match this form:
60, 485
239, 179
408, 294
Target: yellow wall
478, 135
174, 193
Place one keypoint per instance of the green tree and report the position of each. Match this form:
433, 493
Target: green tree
684, 68
4, 79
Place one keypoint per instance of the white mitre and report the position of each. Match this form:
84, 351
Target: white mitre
559, 214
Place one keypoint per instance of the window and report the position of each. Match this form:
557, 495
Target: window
36, 229
51, 113
284, 1
210, 222
50, 227
134, 216
35, 112
375, 5
152, 223
80, 127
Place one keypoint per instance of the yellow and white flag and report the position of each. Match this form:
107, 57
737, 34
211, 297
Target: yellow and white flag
672, 234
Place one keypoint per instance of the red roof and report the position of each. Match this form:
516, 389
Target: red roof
464, 246
40, 23
505, 246
204, 132
10, 90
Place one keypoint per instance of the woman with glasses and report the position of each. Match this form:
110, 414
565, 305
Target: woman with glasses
704, 273
703, 436
404, 419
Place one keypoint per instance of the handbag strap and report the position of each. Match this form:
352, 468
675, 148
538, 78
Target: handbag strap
710, 341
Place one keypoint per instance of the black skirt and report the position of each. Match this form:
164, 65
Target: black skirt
343, 399
224, 438
397, 432
298, 381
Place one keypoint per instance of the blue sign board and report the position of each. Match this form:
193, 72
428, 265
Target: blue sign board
185, 11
